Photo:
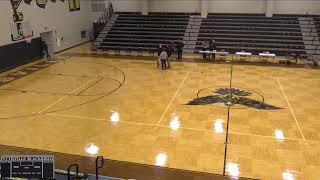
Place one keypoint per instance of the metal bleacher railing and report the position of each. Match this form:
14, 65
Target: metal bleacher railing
73, 173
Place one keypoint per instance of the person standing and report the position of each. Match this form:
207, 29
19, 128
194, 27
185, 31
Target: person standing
212, 45
205, 47
170, 53
44, 48
159, 49
180, 48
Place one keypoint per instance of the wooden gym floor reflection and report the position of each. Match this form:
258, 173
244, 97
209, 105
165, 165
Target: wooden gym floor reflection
128, 110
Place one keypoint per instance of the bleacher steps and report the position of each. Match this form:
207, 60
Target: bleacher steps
191, 33
310, 37
105, 30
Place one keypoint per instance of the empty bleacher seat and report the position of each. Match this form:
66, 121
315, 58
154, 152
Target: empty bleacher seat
136, 32
253, 32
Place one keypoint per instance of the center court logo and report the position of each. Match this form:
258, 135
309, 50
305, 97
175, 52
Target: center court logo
235, 98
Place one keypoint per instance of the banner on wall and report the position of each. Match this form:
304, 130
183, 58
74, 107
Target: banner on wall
15, 3
42, 3
74, 5
27, 1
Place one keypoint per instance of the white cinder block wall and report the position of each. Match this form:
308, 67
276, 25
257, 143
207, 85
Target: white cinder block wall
236, 6
68, 24
175, 6
127, 5
221, 6
297, 6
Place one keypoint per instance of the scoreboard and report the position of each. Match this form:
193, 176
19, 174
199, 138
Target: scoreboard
33, 166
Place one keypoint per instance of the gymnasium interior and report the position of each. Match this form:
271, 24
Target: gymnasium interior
160, 89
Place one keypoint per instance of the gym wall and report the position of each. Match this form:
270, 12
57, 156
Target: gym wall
56, 17
236, 6
175, 6
221, 6
127, 5
297, 6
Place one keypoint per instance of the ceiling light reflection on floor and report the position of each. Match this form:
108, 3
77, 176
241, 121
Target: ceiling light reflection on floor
115, 117
233, 170
175, 123
279, 135
287, 175
218, 126
161, 159
92, 149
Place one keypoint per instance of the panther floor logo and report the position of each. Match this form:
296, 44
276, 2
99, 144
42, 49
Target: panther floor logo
235, 98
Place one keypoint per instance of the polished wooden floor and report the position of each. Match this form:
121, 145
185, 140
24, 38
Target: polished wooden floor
129, 110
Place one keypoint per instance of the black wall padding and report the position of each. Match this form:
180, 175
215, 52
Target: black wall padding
16, 54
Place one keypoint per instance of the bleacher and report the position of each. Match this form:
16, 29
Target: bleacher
254, 33
317, 24
232, 32
136, 32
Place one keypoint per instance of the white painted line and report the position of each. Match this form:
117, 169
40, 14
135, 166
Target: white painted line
186, 128
59, 100
263, 136
172, 98
98, 119
72, 116
285, 96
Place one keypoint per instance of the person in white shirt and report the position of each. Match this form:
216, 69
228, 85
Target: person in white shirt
163, 59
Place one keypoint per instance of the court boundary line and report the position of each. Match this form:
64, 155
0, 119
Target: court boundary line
294, 117
174, 96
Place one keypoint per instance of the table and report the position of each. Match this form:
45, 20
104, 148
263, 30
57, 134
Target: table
244, 54
213, 52
224, 53
267, 55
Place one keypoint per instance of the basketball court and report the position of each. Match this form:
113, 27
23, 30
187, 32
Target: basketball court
134, 112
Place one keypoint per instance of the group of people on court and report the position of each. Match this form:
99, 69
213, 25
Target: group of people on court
167, 52
208, 45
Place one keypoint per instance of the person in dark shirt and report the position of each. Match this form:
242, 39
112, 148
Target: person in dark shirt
159, 49
171, 50
212, 47
179, 46
205, 47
